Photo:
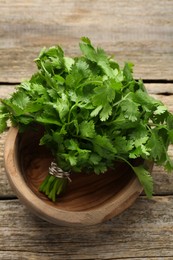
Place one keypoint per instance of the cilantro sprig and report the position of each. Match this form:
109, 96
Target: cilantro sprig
93, 112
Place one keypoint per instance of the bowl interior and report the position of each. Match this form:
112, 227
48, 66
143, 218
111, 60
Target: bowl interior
86, 191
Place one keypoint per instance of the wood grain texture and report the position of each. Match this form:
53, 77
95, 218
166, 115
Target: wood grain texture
142, 232
5, 189
139, 31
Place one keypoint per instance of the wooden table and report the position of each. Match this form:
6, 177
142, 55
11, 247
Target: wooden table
138, 31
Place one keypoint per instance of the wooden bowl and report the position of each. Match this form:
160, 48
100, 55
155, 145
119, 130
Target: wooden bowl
89, 199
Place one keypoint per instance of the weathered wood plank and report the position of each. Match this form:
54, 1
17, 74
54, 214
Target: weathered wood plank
159, 88
6, 90
142, 232
5, 189
139, 31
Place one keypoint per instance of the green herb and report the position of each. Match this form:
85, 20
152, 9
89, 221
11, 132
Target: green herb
93, 112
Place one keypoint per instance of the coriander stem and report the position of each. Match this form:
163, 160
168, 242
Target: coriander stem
69, 115
53, 186
123, 98
153, 124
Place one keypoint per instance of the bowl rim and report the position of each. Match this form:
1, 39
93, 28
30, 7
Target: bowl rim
103, 212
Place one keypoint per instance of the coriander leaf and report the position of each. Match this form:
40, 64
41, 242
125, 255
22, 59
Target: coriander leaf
98, 56
24, 119
32, 107
87, 129
83, 158
100, 168
88, 50
82, 68
4, 115
140, 136
104, 64
170, 133
59, 79
37, 91
94, 158
58, 135
146, 101
3, 122
155, 145
145, 179
117, 86
20, 99
123, 145
86, 40
168, 164
47, 120
160, 110
140, 151
71, 145
12, 108
169, 121
127, 71
45, 139
68, 62
96, 111
70, 158
160, 114
50, 59
3, 108
106, 112
62, 106
79, 71
103, 95
123, 123
140, 141
26, 85
130, 109
104, 147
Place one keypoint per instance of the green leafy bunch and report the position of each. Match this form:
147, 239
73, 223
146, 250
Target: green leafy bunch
94, 113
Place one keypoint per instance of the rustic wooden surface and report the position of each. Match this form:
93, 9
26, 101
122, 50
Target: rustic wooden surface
139, 31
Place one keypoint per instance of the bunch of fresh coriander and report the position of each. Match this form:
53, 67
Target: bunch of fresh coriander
94, 113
